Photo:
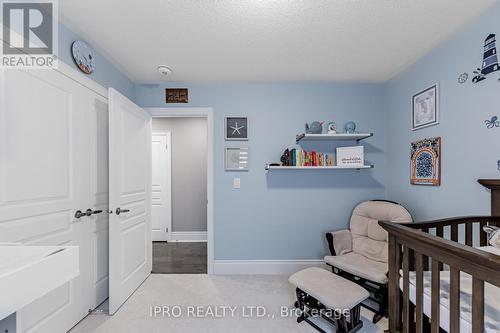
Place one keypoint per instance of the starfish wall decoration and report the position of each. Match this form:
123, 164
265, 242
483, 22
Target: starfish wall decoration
236, 129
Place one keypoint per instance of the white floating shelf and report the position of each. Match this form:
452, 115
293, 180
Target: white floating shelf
271, 167
333, 137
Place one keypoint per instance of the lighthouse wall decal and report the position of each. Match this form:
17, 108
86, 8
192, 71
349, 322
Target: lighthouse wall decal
490, 59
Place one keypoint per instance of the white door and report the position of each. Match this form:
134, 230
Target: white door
130, 244
161, 218
45, 176
97, 226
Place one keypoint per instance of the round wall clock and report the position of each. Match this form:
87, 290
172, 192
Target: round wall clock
83, 56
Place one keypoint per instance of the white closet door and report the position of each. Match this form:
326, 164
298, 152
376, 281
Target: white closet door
97, 226
161, 215
42, 154
129, 197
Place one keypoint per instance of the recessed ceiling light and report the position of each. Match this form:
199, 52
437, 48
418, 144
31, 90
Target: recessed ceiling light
165, 70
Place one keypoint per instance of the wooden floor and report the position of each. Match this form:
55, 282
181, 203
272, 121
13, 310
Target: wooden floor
179, 258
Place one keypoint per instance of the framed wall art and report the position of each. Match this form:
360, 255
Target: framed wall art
425, 108
176, 95
236, 128
236, 159
426, 162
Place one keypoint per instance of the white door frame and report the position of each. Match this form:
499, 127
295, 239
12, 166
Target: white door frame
168, 187
207, 113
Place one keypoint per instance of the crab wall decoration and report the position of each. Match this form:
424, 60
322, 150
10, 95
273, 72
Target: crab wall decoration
493, 122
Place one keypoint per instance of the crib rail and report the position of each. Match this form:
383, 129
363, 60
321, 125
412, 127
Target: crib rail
439, 245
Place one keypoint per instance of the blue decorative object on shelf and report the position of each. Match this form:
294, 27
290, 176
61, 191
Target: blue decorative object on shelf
493, 122
316, 127
350, 127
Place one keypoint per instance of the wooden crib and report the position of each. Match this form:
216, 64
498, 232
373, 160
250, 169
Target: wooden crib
435, 249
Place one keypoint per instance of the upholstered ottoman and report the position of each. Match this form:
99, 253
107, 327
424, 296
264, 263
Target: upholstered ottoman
322, 293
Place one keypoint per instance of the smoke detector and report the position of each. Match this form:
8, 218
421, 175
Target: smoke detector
165, 70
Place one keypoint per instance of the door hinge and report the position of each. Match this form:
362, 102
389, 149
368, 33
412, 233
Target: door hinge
166, 229
166, 146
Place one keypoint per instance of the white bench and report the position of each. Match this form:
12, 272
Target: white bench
322, 293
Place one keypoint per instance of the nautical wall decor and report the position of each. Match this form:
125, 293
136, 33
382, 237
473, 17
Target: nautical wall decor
462, 78
426, 162
498, 165
490, 60
236, 128
425, 108
236, 159
493, 122
83, 56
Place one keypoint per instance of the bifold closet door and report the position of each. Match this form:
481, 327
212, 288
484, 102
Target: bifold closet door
43, 148
129, 198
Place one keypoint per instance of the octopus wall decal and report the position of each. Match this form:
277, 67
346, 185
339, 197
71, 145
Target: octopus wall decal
493, 122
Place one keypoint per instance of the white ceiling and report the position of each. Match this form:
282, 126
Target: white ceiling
214, 40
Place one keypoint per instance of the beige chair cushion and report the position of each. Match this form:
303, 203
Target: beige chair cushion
372, 249
369, 238
342, 241
361, 266
332, 290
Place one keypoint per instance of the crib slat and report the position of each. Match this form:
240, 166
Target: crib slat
412, 259
435, 296
454, 300
419, 294
439, 233
477, 305
483, 239
454, 232
394, 301
406, 290
411, 309
468, 234
426, 263
426, 258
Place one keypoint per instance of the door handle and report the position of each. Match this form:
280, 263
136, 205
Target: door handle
90, 212
79, 214
119, 211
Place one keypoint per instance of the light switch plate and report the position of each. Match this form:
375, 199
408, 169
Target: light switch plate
236, 183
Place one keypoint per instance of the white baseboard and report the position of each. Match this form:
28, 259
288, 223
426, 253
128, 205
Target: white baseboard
271, 267
188, 236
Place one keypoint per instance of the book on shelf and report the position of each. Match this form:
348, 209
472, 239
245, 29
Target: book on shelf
300, 157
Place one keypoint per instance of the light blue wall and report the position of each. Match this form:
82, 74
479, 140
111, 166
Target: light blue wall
106, 74
469, 150
284, 215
